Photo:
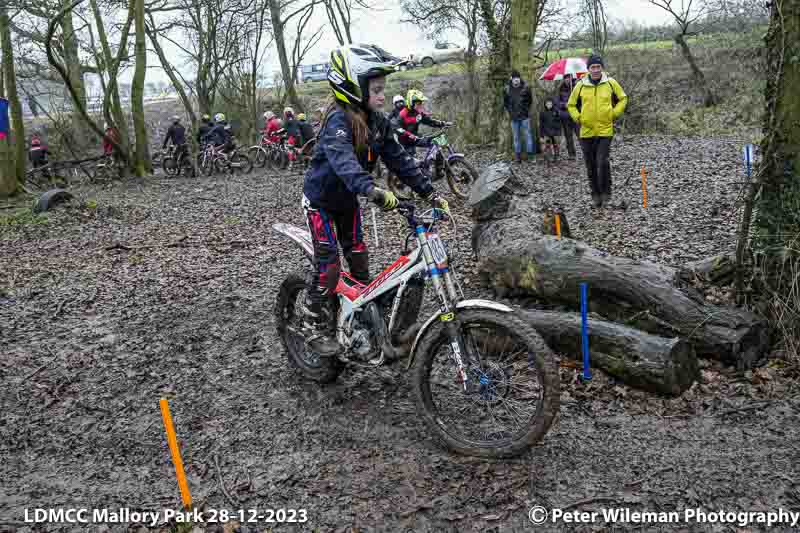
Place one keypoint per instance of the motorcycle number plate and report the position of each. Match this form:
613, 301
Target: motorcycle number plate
437, 249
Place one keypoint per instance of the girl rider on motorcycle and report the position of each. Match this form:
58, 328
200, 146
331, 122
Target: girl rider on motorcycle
411, 117
354, 133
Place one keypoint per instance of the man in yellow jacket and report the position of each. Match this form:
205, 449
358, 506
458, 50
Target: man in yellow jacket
595, 103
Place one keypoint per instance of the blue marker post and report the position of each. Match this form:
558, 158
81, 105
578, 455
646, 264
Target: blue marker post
748, 159
587, 375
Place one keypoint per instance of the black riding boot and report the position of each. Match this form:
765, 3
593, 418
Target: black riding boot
319, 334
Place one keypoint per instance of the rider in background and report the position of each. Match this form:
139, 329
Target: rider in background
177, 134
354, 134
273, 125
398, 103
306, 131
37, 154
292, 127
411, 117
108, 148
220, 135
205, 128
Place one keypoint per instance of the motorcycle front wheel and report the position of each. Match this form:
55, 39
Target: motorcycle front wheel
460, 176
513, 387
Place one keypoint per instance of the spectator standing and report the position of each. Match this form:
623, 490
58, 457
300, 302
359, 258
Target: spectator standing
595, 103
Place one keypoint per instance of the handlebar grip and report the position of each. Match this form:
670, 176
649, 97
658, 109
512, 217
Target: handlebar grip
405, 206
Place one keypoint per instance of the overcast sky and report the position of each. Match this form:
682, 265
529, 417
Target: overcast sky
383, 27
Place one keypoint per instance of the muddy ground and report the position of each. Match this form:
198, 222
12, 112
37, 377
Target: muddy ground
93, 334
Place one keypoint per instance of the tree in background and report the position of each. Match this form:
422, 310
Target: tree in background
282, 12
462, 16
689, 17
10, 181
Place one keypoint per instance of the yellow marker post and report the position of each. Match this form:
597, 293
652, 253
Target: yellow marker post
558, 225
176, 454
644, 188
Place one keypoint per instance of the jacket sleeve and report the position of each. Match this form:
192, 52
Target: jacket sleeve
170, 133
572, 104
430, 121
622, 98
337, 143
528, 100
404, 167
400, 128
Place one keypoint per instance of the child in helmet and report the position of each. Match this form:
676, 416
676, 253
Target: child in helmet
398, 103
411, 117
205, 128
37, 154
220, 135
292, 128
273, 125
306, 131
354, 134
110, 133
177, 134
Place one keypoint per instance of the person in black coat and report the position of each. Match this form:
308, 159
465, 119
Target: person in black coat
517, 100
550, 128
569, 127
177, 134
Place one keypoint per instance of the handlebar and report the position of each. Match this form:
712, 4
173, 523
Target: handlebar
407, 209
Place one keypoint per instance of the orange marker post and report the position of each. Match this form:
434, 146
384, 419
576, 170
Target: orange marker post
558, 225
176, 454
644, 188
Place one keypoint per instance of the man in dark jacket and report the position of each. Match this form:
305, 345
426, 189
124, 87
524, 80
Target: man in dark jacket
568, 127
177, 134
517, 100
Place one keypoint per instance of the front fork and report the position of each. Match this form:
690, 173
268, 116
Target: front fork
448, 298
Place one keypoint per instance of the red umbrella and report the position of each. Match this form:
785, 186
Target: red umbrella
558, 70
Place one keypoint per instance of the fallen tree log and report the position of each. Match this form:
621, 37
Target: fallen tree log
514, 255
717, 270
641, 360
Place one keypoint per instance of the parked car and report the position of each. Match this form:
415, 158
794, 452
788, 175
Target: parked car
440, 53
315, 72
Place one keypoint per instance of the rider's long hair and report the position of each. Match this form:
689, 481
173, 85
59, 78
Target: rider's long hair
358, 122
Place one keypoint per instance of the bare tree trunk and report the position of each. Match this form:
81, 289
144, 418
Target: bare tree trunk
141, 165
778, 218
18, 127
280, 42
72, 62
112, 89
185, 100
499, 71
523, 22
8, 180
709, 99
473, 82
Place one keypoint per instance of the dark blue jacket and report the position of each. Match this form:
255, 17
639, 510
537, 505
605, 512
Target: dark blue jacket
177, 134
337, 173
218, 135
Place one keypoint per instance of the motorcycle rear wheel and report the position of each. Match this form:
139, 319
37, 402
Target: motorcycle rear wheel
289, 321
